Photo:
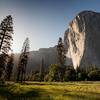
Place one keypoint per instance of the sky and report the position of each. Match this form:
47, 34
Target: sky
42, 21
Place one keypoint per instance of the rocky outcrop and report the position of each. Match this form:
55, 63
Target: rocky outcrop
82, 39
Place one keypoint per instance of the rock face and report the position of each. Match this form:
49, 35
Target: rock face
49, 55
82, 39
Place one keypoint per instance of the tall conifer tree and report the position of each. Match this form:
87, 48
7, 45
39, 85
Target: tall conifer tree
9, 67
61, 58
23, 59
6, 31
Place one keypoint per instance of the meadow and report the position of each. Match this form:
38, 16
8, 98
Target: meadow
50, 91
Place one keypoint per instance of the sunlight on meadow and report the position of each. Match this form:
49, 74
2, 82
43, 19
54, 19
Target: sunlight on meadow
51, 91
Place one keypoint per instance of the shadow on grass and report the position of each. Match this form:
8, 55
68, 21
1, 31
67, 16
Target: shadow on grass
47, 83
43, 94
5, 94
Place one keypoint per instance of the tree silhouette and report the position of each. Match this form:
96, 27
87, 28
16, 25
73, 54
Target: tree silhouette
42, 70
23, 59
61, 58
3, 61
6, 31
9, 67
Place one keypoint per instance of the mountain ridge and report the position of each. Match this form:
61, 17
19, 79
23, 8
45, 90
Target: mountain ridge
49, 55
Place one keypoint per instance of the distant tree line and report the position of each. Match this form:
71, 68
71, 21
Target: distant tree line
52, 74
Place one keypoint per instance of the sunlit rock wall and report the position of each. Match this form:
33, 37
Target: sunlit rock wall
82, 40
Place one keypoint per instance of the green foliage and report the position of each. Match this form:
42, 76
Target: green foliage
6, 31
23, 59
61, 52
81, 74
61, 58
90, 68
70, 74
34, 76
42, 72
94, 75
46, 77
9, 67
62, 70
53, 72
2, 64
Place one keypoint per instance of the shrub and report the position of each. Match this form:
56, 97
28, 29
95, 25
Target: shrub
70, 75
81, 76
46, 77
53, 72
94, 75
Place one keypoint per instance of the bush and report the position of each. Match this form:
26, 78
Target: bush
70, 75
53, 72
81, 76
94, 75
46, 77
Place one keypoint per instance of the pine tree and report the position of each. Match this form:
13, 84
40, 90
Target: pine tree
3, 61
23, 59
6, 31
61, 58
9, 67
42, 70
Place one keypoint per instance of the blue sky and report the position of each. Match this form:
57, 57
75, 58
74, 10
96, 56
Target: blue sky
43, 21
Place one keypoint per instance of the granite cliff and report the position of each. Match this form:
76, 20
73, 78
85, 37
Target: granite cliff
82, 39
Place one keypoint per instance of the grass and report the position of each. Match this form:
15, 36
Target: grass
50, 91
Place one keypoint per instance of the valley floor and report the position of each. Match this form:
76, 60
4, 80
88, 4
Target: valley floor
50, 91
